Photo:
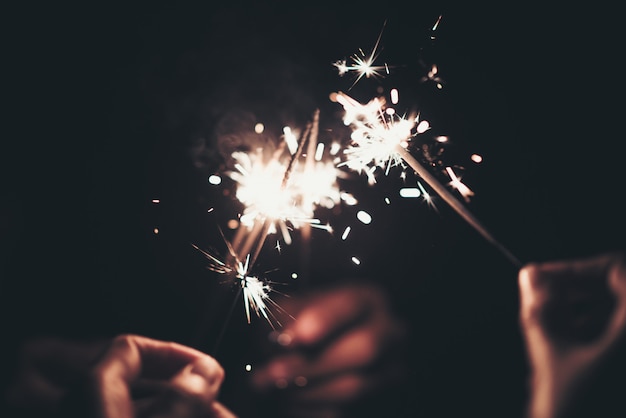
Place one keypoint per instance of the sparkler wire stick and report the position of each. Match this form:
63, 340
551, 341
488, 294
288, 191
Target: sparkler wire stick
259, 243
296, 155
256, 232
305, 246
238, 239
220, 337
455, 204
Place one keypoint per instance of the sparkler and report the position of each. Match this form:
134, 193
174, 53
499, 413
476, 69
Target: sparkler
280, 197
381, 139
255, 291
451, 200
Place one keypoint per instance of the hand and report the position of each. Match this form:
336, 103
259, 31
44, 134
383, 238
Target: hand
338, 346
130, 376
573, 317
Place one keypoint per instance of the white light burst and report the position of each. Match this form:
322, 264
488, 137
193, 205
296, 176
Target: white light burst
255, 292
376, 135
286, 205
363, 64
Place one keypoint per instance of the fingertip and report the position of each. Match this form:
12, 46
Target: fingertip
284, 338
203, 378
307, 329
529, 297
527, 273
208, 368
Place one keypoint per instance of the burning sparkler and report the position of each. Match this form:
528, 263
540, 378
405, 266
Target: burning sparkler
256, 292
279, 195
381, 138
376, 135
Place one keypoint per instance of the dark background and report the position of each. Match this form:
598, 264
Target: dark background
110, 107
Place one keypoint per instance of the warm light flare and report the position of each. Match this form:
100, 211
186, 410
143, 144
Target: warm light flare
376, 135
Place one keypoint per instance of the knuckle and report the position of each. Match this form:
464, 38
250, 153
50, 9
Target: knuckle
124, 340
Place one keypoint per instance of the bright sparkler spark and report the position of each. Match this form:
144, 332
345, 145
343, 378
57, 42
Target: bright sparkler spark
376, 143
434, 28
376, 135
261, 190
255, 292
363, 64
426, 196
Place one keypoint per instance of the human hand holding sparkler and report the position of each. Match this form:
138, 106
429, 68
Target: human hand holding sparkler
129, 376
342, 345
573, 316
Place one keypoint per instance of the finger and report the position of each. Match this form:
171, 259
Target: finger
130, 355
351, 352
339, 390
567, 301
537, 282
352, 386
357, 349
543, 276
362, 348
201, 379
617, 275
331, 312
189, 392
617, 283
123, 363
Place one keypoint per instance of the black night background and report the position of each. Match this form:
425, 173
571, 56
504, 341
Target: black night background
110, 107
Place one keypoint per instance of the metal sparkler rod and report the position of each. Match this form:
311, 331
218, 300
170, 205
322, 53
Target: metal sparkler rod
296, 155
456, 204
252, 238
305, 230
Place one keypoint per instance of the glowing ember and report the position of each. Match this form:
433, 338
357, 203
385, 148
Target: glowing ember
364, 217
476, 158
215, 179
